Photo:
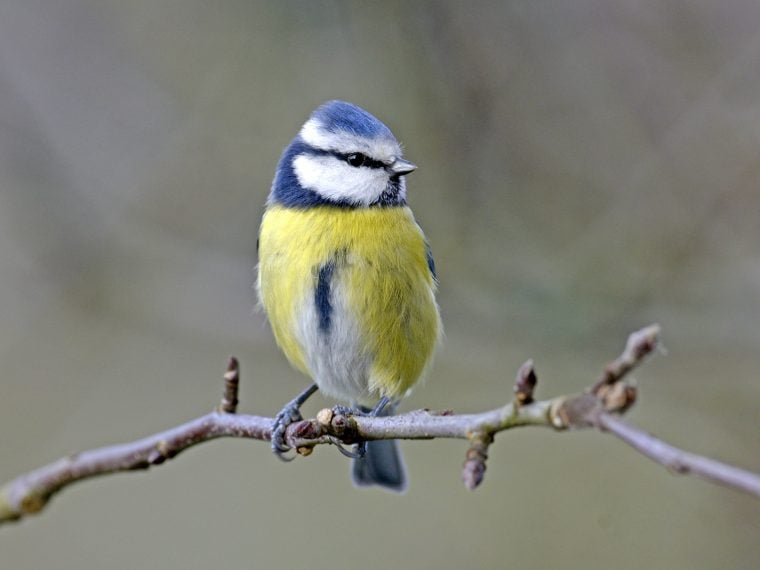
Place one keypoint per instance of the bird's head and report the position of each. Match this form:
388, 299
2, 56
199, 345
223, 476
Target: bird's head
341, 156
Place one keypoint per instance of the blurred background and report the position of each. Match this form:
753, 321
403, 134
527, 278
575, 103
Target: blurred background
586, 168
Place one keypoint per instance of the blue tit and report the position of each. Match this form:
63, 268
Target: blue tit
345, 274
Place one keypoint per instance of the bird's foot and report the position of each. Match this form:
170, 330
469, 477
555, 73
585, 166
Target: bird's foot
360, 449
289, 414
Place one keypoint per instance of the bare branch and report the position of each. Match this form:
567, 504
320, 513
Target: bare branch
30, 493
679, 461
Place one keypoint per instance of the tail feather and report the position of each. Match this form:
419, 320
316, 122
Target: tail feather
382, 464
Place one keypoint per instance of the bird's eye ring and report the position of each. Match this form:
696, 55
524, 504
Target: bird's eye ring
356, 159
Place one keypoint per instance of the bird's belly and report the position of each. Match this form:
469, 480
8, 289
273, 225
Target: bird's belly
350, 297
337, 358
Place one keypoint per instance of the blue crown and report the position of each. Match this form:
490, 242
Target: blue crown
338, 116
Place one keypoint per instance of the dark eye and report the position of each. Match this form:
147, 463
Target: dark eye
356, 159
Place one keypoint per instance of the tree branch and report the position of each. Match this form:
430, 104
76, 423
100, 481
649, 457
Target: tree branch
610, 394
679, 461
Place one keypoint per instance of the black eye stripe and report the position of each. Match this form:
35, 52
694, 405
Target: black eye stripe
358, 159
355, 159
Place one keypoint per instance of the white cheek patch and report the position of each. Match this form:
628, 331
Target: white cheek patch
335, 180
314, 134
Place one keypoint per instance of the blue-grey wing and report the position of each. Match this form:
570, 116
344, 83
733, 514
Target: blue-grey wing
430, 261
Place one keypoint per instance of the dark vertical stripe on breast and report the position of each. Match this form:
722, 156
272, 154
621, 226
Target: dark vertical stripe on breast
322, 296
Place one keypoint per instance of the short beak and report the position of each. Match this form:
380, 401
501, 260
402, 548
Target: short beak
399, 167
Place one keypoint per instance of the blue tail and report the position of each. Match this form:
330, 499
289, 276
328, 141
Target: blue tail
382, 464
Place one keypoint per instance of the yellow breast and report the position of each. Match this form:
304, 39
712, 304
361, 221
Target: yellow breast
381, 267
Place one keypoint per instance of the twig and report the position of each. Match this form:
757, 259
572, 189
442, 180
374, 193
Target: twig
679, 461
639, 345
231, 383
31, 492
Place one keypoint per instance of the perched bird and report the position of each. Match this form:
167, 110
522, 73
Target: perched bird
345, 274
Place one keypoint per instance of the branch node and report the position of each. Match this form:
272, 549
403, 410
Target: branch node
429, 412
617, 398
324, 417
305, 429
304, 450
34, 503
231, 382
555, 414
340, 424
474, 467
525, 383
579, 411
160, 453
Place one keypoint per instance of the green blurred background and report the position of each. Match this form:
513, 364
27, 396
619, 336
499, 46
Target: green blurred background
586, 168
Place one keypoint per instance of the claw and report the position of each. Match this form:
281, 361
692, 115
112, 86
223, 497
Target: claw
340, 410
351, 454
289, 414
360, 448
